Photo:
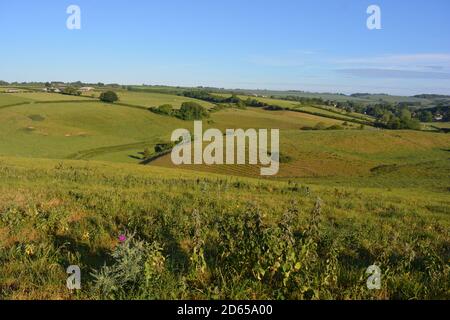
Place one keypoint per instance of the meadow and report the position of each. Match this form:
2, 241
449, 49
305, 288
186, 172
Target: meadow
324, 111
71, 185
206, 236
150, 99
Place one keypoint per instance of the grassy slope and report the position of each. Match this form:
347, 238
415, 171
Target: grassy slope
57, 213
337, 97
151, 99
341, 153
296, 105
259, 118
7, 99
385, 200
93, 130
58, 130
445, 125
43, 96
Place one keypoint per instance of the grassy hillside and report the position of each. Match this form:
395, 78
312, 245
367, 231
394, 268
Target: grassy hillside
342, 153
343, 200
58, 213
94, 130
7, 99
44, 96
259, 118
151, 99
325, 111
58, 130
362, 98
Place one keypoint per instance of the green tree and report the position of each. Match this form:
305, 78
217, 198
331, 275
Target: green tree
240, 104
405, 114
146, 154
386, 117
192, 111
109, 96
165, 109
71, 91
426, 116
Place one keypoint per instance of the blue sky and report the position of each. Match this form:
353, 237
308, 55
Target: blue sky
321, 45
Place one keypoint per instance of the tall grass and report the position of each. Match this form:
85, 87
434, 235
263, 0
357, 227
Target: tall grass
201, 236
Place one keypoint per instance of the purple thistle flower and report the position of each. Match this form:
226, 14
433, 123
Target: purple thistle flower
122, 238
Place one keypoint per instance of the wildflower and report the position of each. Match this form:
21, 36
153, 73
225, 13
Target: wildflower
122, 238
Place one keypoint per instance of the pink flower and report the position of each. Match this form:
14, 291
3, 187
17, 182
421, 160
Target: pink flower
122, 238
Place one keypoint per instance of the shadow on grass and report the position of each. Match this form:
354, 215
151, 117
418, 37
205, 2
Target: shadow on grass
178, 260
88, 259
132, 156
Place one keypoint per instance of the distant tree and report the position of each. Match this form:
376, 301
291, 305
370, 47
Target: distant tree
109, 96
71, 91
233, 99
192, 111
240, 104
412, 124
394, 123
405, 114
165, 109
147, 153
385, 118
3, 83
426, 116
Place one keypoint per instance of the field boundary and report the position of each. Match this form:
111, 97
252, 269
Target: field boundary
155, 156
354, 120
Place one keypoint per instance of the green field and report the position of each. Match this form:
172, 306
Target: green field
71, 183
59, 130
207, 236
342, 153
371, 98
445, 125
7, 99
93, 130
151, 99
44, 96
325, 111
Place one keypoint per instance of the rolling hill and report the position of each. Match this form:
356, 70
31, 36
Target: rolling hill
71, 185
